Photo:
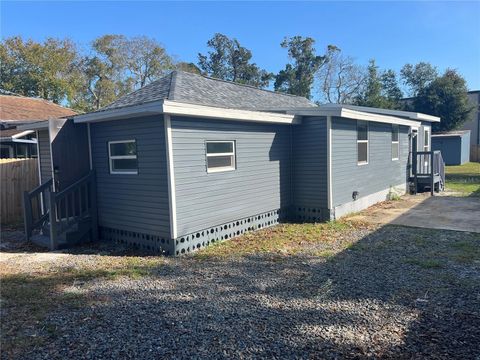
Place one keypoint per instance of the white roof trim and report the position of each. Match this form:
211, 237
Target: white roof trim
178, 108
397, 113
356, 115
22, 134
41, 124
184, 109
121, 113
15, 138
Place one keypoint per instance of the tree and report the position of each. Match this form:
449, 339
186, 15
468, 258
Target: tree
391, 90
340, 79
418, 76
372, 94
230, 61
446, 97
117, 66
48, 70
381, 89
188, 67
145, 59
297, 77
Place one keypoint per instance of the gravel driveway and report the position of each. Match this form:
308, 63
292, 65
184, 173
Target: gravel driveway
396, 293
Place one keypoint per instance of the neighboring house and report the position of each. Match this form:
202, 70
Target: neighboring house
454, 145
189, 160
20, 110
473, 124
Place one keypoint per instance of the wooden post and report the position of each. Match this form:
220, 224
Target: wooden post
93, 204
432, 175
53, 222
414, 169
27, 215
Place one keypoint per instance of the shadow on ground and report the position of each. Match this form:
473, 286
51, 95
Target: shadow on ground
396, 293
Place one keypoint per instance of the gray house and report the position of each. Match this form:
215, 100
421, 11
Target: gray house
189, 160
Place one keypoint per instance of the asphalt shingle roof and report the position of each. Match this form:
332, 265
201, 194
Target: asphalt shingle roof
23, 109
196, 89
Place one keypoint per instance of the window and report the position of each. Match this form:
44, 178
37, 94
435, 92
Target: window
362, 142
21, 151
426, 140
123, 157
220, 156
395, 143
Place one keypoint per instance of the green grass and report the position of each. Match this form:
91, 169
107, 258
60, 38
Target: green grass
464, 179
425, 263
471, 168
285, 239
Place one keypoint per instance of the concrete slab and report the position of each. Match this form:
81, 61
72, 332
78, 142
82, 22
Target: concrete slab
437, 212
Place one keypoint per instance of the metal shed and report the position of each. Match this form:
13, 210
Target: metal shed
454, 145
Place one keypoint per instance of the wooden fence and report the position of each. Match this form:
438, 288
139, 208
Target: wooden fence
16, 176
475, 153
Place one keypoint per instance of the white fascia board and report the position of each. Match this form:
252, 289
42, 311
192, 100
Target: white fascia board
121, 113
396, 113
40, 125
202, 111
22, 134
357, 115
184, 109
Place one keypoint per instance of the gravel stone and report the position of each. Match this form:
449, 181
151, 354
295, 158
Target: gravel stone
371, 300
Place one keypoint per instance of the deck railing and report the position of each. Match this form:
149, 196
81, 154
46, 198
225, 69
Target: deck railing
72, 205
439, 165
36, 207
429, 164
64, 210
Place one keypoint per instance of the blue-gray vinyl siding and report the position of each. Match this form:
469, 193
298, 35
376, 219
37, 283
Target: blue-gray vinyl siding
137, 203
261, 181
455, 149
379, 174
310, 163
44, 154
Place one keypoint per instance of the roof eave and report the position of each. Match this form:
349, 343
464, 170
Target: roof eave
39, 125
396, 113
356, 115
184, 109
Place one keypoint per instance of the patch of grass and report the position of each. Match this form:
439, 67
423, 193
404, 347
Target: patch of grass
468, 169
393, 196
29, 297
284, 239
327, 254
464, 179
465, 252
465, 189
425, 263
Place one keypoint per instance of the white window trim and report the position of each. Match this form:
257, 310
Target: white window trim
224, 168
360, 163
119, 157
396, 143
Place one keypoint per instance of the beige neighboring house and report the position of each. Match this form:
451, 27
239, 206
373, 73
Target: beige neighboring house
19, 110
473, 124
